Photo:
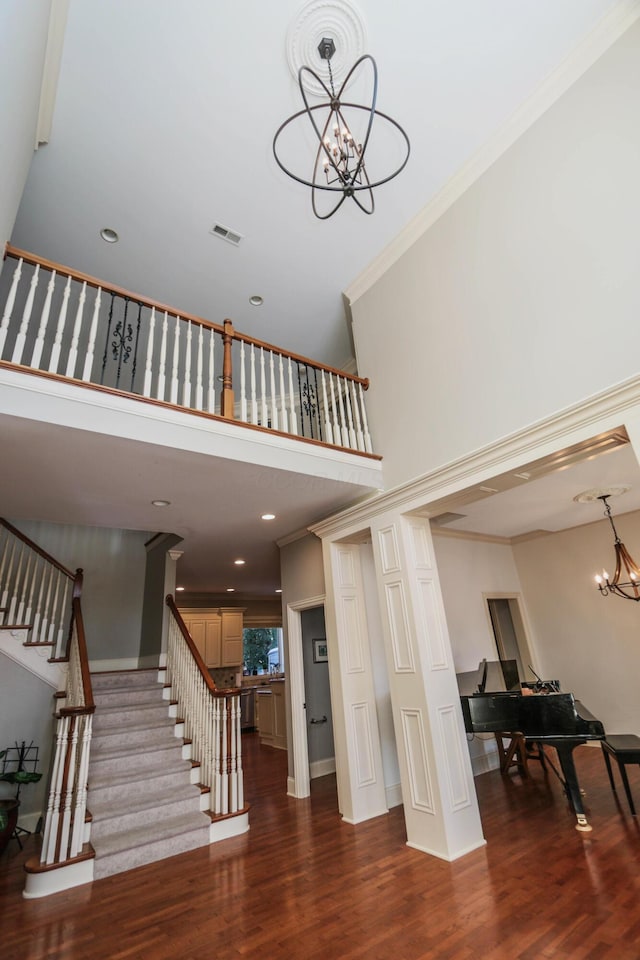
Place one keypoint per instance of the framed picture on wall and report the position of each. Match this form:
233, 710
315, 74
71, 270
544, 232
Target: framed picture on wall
320, 651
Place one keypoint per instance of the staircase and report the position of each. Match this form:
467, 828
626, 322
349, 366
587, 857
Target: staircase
143, 803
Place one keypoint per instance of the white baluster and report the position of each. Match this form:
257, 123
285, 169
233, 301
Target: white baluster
293, 426
47, 608
199, 369
186, 389
343, 423
20, 616
8, 307
347, 404
243, 391
254, 402
54, 609
148, 366
334, 412
62, 319
211, 402
365, 425
18, 347
8, 581
44, 320
16, 585
328, 432
88, 360
73, 351
66, 800
42, 577
53, 807
174, 369
356, 409
274, 405
163, 358
36, 577
81, 789
284, 421
264, 410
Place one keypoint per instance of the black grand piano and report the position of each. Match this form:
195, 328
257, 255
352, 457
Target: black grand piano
543, 715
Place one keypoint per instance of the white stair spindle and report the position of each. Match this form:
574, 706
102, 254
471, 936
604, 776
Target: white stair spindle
254, 402
274, 405
264, 410
243, 389
334, 412
347, 404
93, 330
73, 351
173, 398
199, 363
46, 610
16, 586
163, 359
21, 339
26, 580
62, 319
328, 432
44, 320
293, 424
8, 307
81, 789
343, 423
365, 426
64, 606
35, 578
186, 389
37, 617
211, 393
355, 403
148, 366
53, 806
284, 420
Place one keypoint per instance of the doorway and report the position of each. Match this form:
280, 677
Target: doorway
509, 631
317, 694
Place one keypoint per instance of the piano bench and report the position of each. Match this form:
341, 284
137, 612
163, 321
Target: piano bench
625, 747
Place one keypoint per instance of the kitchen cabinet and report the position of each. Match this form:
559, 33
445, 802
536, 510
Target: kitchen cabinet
217, 634
270, 715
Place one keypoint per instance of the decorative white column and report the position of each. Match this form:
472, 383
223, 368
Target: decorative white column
359, 773
440, 805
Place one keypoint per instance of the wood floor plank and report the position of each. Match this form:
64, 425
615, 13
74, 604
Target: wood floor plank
302, 885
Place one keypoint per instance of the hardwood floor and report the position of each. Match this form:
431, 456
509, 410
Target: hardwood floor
302, 885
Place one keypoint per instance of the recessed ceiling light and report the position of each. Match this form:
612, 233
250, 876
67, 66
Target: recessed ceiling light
239, 563
109, 235
161, 503
279, 590
256, 300
231, 589
179, 589
268, 516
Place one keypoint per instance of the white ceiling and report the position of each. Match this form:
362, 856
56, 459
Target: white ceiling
163, 126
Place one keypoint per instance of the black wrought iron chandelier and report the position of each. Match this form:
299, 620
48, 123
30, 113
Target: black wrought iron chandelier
629, 589
343, 132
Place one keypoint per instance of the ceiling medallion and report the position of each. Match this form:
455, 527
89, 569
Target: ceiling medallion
317, 19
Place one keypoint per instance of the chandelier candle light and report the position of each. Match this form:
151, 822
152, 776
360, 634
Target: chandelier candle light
629, 589
339, 166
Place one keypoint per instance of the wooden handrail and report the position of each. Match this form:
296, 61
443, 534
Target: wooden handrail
89, 705
43, 553
192, 647
60, 268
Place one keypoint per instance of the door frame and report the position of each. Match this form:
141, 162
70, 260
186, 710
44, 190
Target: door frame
299, 784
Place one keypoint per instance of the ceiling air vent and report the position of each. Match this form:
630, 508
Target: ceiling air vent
226, 234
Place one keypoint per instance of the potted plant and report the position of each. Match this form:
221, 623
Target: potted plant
9, 805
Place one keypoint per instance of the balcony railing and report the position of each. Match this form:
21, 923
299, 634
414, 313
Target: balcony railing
64, 324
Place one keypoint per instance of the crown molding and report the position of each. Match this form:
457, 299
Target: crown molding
594, 415
622, 16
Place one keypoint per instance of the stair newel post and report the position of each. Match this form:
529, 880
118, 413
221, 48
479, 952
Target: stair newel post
21, 339
8, 308
227, 401
44, 321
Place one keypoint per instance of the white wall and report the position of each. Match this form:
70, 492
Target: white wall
515, 303
23, 39
114, 568
591, 644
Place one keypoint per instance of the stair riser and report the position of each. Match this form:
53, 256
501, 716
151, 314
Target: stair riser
128, 859
140, 818
120, 718
120, 696
117, 793
111, 738
127, 678
140, 761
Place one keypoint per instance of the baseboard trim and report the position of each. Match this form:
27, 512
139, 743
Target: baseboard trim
393, 795
322, 768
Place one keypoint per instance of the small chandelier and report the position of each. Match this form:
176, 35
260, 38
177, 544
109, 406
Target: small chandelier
343, 131
630, 589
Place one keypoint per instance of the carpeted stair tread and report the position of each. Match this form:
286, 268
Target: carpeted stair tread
153, 842
128, 750
161, 724
152, 801
162, 806
100, 781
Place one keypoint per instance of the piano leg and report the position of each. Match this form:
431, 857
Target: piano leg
571, 785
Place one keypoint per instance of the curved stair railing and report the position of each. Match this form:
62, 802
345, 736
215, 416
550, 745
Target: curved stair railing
211, 719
